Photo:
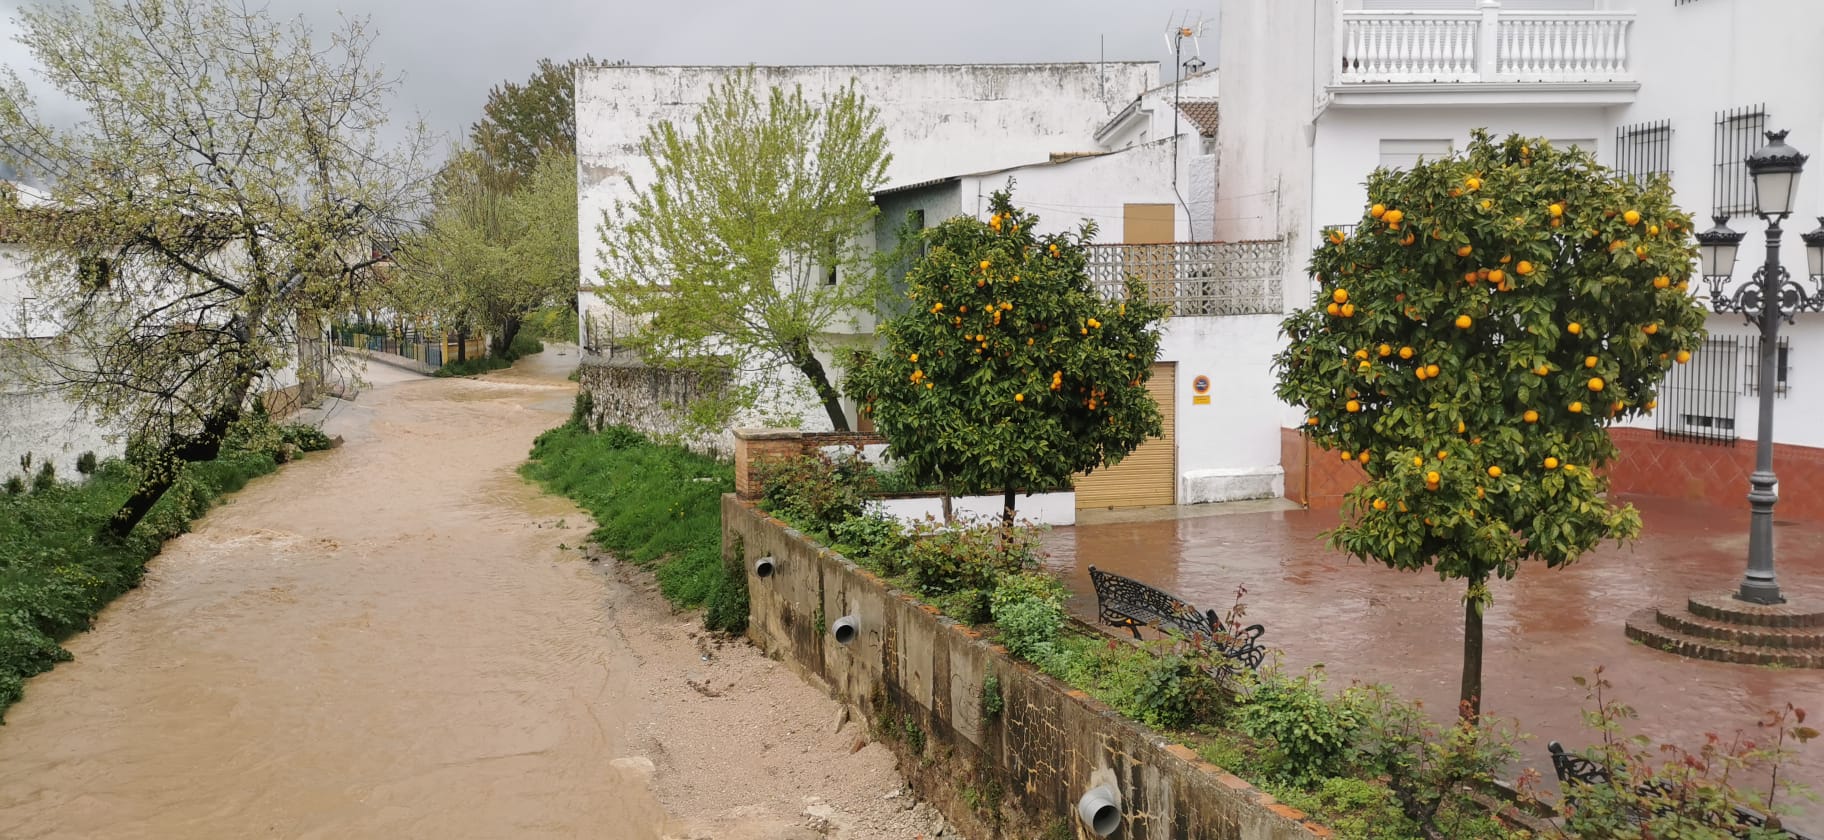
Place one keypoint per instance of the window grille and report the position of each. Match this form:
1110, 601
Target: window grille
1644, 149
1751, 363
1738, 133
1698, 400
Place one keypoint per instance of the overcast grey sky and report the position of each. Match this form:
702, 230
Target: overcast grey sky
451, 51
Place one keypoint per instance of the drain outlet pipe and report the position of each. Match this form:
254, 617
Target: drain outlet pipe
845, 629
1100, 809
763, 567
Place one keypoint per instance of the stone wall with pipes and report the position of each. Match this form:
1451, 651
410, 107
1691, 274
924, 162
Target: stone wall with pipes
1011, 762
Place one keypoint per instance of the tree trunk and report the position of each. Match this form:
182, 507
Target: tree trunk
1007, 508
168, 464
509, 330
1470, 699
462, 344
949, 516
806, 362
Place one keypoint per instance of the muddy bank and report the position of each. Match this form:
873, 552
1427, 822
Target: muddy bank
401, 638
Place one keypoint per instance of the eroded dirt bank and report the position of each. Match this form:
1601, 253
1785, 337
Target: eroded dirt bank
402, 639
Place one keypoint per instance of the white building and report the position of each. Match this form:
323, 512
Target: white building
1323, 91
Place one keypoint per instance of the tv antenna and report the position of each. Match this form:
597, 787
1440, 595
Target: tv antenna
1180, 28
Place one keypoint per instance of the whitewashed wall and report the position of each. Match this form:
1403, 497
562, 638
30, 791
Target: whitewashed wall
1228, 448
1095, 189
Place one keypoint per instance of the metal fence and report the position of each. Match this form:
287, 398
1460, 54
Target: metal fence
428, 350
1196, 278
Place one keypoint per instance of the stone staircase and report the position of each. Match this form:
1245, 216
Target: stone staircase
1717, 627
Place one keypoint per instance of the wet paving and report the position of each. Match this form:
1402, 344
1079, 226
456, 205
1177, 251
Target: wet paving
1374, 624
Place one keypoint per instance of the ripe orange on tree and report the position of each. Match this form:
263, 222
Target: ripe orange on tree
1415, 297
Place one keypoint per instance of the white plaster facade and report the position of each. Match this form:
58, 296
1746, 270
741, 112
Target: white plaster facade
45, 426
1314, 97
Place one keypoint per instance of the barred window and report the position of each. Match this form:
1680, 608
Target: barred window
1698, 400
1643, 150
1751, 360
1738, 133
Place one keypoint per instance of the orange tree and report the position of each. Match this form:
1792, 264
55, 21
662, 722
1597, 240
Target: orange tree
1009, 370
1471, 341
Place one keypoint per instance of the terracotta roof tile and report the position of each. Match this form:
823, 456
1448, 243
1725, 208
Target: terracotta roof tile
1203, 113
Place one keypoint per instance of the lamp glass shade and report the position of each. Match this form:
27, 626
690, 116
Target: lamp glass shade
1814, 249
1716, 248
1774, 191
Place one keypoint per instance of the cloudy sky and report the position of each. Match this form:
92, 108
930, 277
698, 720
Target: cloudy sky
451, 51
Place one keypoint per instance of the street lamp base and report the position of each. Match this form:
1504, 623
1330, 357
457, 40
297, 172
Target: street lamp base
1721, 627
1760, 592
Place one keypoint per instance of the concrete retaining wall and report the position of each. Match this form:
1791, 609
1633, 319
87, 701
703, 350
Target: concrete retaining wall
650, 400
917, 678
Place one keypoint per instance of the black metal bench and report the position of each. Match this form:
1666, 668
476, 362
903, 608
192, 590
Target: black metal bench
1575, 770
1125, 602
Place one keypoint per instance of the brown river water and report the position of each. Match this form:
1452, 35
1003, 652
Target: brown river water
382, 641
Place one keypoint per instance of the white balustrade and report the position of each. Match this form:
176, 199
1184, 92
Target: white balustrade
1488, 46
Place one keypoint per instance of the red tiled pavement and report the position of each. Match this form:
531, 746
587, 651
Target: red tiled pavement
1546, 626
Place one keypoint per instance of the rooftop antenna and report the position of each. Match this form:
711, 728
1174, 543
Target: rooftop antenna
1178, 31
1102, 68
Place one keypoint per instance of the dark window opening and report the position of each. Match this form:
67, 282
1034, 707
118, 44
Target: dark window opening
1751, 361
1698, 399
1738, 133
1643, 150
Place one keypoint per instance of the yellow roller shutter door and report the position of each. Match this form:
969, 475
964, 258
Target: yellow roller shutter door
1148, 475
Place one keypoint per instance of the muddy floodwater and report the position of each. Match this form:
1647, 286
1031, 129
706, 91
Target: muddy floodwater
382, 641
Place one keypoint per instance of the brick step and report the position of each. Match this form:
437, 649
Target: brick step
1782, 638
1723, 607
1644, 627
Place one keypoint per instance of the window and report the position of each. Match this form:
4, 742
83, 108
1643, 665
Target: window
1403, 154
1751, 361
1643, 150
1738, 134
1698, 400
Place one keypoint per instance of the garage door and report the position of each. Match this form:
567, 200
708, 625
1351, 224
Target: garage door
1148, 475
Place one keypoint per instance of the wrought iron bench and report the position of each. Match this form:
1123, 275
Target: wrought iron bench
1125, 602
1573, 769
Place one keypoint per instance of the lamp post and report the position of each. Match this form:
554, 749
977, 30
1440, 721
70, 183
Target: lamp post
1766, 299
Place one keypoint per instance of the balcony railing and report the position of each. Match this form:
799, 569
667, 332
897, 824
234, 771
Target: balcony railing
1195, 278
1492, 45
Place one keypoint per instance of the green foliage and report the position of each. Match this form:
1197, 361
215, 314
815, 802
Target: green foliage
1356, 809
725, 608
46, 477
305, 437
654, 505
523, 123
745, 218
816, 491
969, 606
55, 575
15, 485
1028, 610
992, 701
1434, 771
1010, 369
873, 538
1309, 730
581, 411
86, 463
1151, 683
943, 559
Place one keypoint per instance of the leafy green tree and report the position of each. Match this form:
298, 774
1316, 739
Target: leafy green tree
521, 123
489, 257
219, 200
1011, 371
1470, 343
746, 247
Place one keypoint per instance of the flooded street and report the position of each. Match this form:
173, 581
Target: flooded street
401, 638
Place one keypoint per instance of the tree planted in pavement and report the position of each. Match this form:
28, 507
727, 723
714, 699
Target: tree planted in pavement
1469, 345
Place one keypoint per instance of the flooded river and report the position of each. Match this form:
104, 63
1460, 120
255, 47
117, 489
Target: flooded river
388, 640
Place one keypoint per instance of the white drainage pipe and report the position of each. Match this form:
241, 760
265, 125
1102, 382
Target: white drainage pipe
1100, 809
845, 629
764, 567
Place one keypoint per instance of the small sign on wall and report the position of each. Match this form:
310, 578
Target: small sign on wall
1200, 388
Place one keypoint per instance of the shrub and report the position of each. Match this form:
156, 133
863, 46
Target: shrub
969, 606
1028, 609
816, 491
873, 538
15, 485
582, 412
46, 477
726, 607
1177, 692
1434, 772
85, 463
945, 559
1309, 731
305, 437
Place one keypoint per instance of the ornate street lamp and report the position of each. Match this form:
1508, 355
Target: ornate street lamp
1765, 300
